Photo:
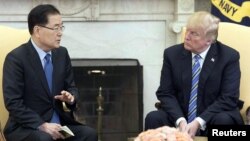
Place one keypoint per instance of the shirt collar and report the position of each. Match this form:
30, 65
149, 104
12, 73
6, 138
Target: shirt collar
203, 54
40, 52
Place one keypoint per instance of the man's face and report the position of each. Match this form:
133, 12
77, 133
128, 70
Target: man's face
51, 33
195, 40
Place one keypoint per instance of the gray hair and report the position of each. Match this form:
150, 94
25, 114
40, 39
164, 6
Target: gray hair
205, 21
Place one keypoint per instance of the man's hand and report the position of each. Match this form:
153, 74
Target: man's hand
52, 129
182, 126
192, 128
66, 97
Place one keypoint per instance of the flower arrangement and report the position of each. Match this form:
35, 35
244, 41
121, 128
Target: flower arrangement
164, 133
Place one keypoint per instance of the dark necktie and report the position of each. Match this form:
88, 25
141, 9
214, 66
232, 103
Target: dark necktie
48, 69
193, 96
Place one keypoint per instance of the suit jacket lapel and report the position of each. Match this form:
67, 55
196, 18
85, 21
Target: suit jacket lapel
55, 60
37, 66
208, 65
186, 71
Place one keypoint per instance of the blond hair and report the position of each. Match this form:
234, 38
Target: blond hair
205, 21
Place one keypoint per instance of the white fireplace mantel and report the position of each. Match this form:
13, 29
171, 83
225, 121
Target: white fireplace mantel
171, 11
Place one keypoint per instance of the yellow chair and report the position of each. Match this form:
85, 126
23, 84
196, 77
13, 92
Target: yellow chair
237, 37
10, 38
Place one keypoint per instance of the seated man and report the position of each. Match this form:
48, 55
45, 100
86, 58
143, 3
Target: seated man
200, 81
37, 79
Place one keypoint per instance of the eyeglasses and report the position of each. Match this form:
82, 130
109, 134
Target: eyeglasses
56, 29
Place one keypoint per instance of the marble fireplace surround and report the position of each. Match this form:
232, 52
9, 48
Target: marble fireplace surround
117, 29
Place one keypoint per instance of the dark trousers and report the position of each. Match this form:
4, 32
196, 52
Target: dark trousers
160, 118
82, 133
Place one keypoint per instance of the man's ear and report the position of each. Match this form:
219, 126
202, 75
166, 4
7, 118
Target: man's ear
36, 31
209, 42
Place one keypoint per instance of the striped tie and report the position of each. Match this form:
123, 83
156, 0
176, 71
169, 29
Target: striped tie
193, 96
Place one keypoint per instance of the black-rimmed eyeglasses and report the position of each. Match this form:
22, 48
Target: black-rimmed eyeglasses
56, 29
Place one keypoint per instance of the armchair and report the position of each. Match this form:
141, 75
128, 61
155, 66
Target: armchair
237, 37
10, 38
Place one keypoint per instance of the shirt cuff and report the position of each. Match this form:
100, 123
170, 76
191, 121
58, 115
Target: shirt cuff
178, 121
202, 123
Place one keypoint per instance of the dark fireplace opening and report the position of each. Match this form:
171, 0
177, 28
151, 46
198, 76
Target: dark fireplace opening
121, 86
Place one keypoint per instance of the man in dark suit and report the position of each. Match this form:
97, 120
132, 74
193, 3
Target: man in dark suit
194, 96
37, 79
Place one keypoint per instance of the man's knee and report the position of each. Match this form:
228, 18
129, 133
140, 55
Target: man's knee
154, 116
222, 119
156, 119
91, 132
87, 133
46, 137
39, 136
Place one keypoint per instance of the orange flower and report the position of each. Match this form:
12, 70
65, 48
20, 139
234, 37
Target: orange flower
164, 133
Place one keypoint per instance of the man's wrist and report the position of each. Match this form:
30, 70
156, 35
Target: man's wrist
201, 122
177, 123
